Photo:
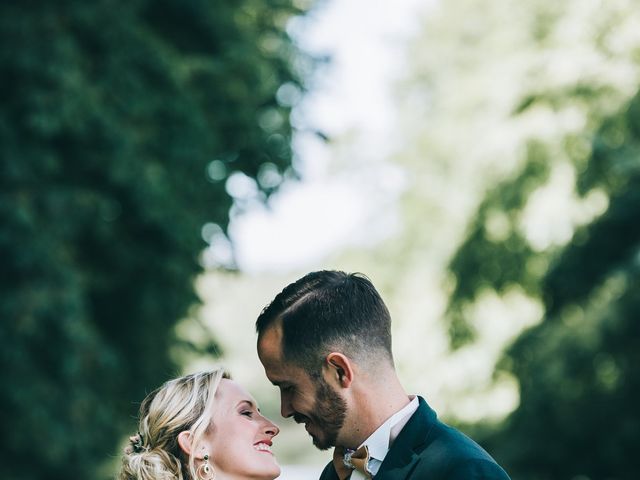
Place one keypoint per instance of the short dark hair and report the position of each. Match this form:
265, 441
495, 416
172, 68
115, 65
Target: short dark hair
329, 309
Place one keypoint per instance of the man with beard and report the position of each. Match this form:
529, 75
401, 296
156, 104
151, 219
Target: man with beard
325, 342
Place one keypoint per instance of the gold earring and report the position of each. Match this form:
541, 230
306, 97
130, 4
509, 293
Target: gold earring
206, 471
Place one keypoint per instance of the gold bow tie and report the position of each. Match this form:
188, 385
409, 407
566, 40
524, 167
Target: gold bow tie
346, 460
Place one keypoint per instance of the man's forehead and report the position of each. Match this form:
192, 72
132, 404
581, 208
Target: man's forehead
271, 356
270, 339
270, 346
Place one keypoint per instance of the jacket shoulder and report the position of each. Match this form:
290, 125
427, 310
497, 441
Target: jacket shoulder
452, 455
329, 473
441, 452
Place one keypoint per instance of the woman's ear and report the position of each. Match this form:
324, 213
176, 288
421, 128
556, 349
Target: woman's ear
184, 441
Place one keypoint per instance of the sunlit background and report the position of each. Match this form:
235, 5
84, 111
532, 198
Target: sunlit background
164, 177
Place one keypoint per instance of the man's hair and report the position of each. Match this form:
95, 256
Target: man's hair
328, 311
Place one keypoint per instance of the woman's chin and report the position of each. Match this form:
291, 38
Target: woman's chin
272, 474
276, 471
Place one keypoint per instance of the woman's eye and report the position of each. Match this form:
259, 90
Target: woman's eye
247, 413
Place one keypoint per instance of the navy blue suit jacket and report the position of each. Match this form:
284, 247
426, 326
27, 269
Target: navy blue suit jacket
428, 449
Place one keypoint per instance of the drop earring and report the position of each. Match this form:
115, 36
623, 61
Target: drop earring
206, 471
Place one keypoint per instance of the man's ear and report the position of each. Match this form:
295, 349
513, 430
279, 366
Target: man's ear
184, 441
340, 368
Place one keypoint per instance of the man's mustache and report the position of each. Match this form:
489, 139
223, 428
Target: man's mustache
300, 418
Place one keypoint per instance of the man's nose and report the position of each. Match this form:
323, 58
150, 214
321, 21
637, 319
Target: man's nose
286, 410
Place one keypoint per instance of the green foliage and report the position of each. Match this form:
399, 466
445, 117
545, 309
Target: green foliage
481, 261
577, 369
552, 84
111, 116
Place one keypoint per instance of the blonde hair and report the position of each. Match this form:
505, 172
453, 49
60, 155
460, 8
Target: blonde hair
182, 404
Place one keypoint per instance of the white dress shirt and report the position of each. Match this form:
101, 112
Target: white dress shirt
380, 440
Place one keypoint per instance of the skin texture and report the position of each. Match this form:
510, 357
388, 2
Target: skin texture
342, 407
232, 441
299, 393
339, 379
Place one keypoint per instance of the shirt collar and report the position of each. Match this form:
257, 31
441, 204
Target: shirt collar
379, 441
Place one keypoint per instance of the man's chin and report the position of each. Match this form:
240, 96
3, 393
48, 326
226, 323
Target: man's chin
319, 444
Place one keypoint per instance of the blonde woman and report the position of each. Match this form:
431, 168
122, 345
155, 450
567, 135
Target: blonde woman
202, 426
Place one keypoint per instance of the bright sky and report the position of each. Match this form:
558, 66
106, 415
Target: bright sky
348, 196
355, 203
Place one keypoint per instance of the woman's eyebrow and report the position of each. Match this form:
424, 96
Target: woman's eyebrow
250, 403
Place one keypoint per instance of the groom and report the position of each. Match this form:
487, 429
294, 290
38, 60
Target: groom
325, 341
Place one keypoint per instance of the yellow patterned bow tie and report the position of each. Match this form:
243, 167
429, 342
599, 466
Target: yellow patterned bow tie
346, 460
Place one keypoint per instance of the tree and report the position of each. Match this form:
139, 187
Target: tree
120, 123
577, 368
576, 417
517, 129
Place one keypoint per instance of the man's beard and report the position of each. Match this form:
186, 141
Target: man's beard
330, 411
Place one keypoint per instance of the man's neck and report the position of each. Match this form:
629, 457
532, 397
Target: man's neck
372, 406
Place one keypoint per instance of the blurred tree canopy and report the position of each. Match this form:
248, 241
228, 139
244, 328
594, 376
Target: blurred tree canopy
577, 368
519, 128
119, 125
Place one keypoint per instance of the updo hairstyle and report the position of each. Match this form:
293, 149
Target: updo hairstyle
184, 403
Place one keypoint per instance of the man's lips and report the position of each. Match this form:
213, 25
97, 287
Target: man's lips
306, 423
301, 418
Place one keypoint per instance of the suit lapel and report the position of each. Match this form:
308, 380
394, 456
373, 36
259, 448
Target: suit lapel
403, 455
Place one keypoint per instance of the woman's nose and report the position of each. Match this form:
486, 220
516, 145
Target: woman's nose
271, 428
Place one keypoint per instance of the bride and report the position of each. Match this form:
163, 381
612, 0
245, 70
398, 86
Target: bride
202, 426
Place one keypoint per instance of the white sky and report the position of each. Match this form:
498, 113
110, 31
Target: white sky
348, 196
329, 210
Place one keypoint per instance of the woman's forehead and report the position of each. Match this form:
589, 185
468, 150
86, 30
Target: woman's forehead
231, 391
